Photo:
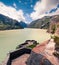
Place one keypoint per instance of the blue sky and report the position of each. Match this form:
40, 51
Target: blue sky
29, 10
25, 5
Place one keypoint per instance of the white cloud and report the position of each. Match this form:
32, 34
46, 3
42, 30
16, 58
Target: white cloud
28, 19
43, 6
11, 12
14, 4
54, 13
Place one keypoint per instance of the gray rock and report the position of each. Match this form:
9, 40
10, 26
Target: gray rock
36, 59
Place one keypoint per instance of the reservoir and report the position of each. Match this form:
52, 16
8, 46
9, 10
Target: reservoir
9, 39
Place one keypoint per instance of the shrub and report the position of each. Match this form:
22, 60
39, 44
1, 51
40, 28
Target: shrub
56, 53
56, 39
31, 46
53, 29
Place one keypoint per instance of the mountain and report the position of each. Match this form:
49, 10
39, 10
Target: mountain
23, 24
9, 23
54, 25
41, 23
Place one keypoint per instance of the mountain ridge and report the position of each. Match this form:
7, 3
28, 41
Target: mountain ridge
44, 22
7, 23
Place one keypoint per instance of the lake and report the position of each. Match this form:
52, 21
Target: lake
9, 39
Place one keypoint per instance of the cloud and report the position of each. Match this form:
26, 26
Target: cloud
14, 4
54, 13
28, 19
11, 12
43, 6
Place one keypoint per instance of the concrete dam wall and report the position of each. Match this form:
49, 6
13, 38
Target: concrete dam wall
17, 53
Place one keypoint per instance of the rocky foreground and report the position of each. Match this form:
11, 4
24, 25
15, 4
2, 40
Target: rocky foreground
41, 55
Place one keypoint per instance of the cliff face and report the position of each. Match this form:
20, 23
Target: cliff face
54, 25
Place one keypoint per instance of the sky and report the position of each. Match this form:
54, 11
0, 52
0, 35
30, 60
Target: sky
29, 10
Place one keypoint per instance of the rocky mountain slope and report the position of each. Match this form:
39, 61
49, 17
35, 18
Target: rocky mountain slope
42, 23
54, 25
9, 23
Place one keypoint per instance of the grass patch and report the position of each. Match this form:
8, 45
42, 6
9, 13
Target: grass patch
32, 46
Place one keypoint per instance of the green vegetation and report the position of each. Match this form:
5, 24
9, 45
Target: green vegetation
32, 46
7, 26
7, 23
56, 39
45, 21
26, 44
57, 26
53, 29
